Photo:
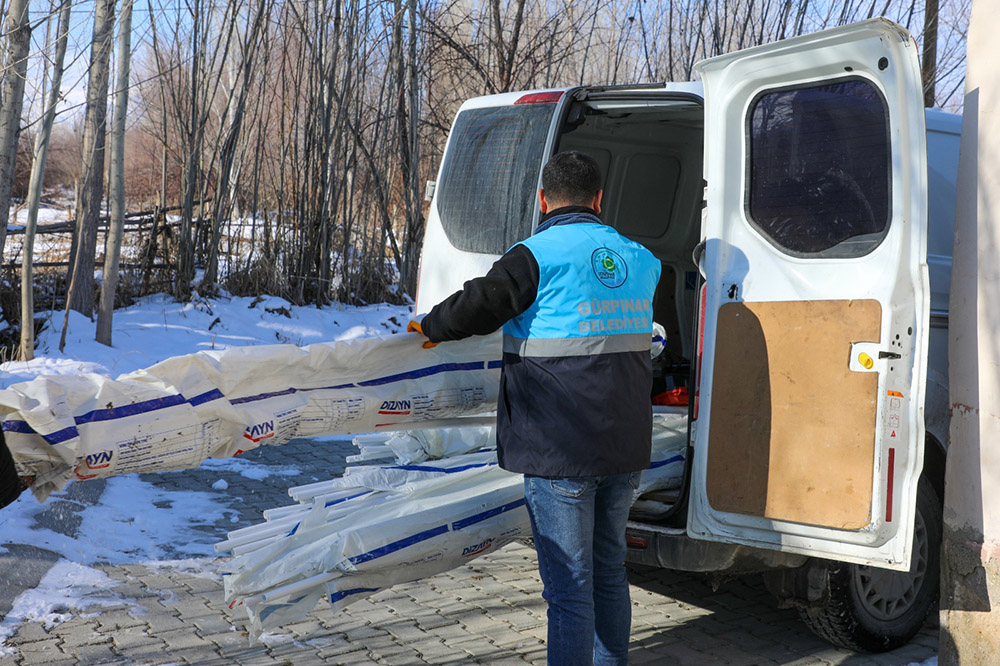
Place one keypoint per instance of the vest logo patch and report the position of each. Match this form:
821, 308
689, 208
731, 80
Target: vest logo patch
609, 267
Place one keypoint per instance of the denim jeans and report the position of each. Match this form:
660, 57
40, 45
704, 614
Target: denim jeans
579, 530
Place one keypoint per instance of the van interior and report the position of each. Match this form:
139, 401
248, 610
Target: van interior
650, 152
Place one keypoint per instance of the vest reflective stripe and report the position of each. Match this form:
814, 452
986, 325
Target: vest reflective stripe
589, 346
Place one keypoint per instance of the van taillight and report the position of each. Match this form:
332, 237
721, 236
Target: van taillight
639, 543
701, 343
540, 97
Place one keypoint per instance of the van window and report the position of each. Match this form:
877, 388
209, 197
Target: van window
819, 168
489, 179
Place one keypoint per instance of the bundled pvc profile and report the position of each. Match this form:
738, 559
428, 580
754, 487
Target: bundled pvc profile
380, 525
178, 412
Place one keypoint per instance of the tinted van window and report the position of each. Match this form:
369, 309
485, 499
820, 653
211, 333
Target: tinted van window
819, 168
487, 189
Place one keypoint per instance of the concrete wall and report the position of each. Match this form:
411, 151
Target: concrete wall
970, 591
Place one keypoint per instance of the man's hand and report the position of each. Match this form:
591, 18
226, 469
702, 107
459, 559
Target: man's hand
414, 327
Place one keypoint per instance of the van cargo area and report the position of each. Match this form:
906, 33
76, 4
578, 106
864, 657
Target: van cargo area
650, 152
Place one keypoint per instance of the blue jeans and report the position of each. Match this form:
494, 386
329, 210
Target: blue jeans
579, 530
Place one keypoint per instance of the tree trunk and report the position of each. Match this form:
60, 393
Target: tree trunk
27, 351
81, 292
185, 258
18, 41
928, 66
115, 225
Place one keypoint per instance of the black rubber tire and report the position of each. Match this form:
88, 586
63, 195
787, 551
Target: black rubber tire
10, 482
850, 622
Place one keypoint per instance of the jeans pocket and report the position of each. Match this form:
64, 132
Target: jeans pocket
633, 480
569, 487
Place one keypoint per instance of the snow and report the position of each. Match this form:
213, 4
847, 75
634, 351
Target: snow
134, 522
67, 587
158, 327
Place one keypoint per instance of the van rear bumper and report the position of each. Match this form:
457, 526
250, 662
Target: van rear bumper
672, 548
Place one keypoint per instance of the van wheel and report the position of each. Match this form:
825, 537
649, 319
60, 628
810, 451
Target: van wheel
875, 610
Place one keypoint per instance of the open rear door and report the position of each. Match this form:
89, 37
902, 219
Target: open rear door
810, 434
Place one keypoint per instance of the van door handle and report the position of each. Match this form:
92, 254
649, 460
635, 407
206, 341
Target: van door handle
890, 355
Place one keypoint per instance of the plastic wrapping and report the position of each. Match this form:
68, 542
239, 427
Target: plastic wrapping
379, 525
178, 412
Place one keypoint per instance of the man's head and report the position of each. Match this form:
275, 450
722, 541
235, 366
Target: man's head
570, 178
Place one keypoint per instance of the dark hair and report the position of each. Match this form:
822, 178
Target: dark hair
571, 177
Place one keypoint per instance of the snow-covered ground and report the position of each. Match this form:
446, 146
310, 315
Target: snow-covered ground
157, 327
152, 330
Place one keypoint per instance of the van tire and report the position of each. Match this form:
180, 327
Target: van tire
875, 610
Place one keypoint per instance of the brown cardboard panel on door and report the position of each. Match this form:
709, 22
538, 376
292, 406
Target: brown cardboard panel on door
792, 428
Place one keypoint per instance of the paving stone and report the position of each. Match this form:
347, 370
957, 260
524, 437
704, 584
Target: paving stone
212, 624
100, 653
433, 620
405, 631
41, 652
80, 634
114, 620
334, 646
133, 637
184, 638
29, 632
357, 658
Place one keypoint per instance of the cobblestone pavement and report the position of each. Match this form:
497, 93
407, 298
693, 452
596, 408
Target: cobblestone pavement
487, 612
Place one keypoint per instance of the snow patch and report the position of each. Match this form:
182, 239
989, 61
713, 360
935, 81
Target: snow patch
67, 589
133, 522
248, 468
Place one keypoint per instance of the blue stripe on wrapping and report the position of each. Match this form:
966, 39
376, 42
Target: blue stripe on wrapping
56, 437
344, 499
423, 372
60, 436
480, 517
661, 463
294, 529
492, 365
263, 396
340, 594
446, 470
398, 545
208, 396
130, 410
18, 426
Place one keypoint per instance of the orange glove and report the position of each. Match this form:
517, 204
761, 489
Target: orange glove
414, 327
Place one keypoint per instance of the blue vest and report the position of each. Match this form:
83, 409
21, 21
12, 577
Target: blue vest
575, 388
595, 294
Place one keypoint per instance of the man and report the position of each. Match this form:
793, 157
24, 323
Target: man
574, 411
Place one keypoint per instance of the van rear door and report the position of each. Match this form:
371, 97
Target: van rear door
486, 194
810, 431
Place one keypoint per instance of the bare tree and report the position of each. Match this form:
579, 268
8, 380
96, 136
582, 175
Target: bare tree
109, 285
81, 290
52, 79
18, 31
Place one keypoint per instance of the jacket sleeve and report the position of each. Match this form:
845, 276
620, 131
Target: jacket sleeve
484, 304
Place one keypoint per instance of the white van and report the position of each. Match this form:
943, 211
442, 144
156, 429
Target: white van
789, 202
